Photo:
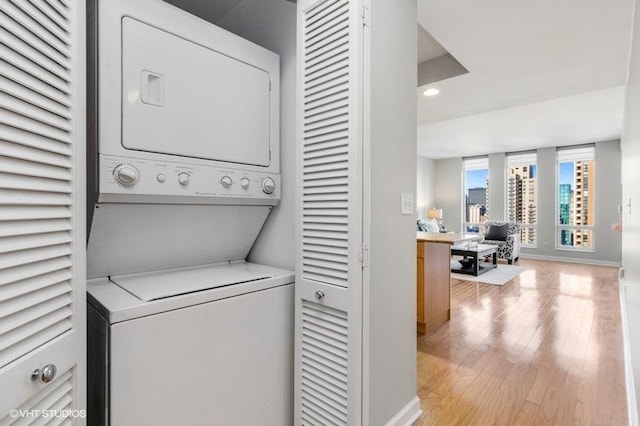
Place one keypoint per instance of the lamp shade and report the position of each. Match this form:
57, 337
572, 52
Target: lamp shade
434, 213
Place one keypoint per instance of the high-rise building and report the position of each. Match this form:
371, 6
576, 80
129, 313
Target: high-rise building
477, 196
583, 205
476, 213
565, 196
486, 197
522, 199
475, 205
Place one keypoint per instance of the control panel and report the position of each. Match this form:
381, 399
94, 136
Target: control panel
136, 180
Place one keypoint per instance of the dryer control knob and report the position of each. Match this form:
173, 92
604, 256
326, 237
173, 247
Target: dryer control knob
268, 185
226, 181
244, 183
184, 178
126, 175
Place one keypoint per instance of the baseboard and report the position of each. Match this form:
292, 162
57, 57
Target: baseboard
632, 408
409, 414
570, 260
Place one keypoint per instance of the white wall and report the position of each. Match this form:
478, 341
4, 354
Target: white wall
546, 230
496, 186
449, 192
630, 147
426, 186
393, 137
272, 25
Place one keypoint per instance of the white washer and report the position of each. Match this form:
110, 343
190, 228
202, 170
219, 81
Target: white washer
163, 345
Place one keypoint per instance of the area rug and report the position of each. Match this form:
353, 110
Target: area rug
498, 276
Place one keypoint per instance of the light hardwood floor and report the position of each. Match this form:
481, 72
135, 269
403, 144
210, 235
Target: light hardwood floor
545, 348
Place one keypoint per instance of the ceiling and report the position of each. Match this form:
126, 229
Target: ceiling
537, 71
428, 47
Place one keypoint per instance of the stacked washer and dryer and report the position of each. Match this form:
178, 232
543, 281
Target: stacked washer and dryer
183, 173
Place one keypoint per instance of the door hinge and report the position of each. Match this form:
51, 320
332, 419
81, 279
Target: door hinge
364, 256
269, 85
366, 15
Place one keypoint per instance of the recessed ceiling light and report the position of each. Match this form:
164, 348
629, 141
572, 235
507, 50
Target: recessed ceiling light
431, 92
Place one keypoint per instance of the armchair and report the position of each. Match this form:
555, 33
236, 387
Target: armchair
508, 249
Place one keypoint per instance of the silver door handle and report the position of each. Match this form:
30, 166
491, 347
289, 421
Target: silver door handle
319, 294
45, 374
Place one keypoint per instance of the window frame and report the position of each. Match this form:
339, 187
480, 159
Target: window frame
521, 159
470, 164
574, 154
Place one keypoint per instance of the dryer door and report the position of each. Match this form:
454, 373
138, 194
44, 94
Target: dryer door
182, 98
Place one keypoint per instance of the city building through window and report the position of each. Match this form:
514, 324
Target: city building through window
522, 194
476, 193
575, 198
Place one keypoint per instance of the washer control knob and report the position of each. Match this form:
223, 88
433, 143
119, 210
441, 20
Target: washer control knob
244, 183
226, 181
184, 178
126, 175
161, 177
268, 185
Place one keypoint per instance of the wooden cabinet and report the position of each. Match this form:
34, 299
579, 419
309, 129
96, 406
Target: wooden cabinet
420, 289
433, 285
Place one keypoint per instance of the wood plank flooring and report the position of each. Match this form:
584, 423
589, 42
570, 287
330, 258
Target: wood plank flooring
545, 348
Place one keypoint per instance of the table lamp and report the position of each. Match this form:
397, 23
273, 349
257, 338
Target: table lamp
435, 215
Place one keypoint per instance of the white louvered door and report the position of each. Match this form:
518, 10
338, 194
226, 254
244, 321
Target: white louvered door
42, 219
328, 370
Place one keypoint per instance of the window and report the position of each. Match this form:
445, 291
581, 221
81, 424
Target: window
476, 193
522, 194
575, 198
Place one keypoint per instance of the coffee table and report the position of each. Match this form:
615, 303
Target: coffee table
475, 254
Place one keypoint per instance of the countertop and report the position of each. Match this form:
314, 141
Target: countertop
437, 237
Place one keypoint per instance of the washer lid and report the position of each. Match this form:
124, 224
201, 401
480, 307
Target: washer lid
148, 286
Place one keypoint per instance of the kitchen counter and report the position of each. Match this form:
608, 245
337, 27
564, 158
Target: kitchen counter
453, 238
433, 265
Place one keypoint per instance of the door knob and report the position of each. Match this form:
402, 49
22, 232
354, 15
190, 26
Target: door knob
44, 374
319, 294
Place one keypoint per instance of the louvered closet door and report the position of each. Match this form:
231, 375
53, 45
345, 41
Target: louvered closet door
328, 269
42, 272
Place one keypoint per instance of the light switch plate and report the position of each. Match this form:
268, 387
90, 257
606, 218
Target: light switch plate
406, 203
